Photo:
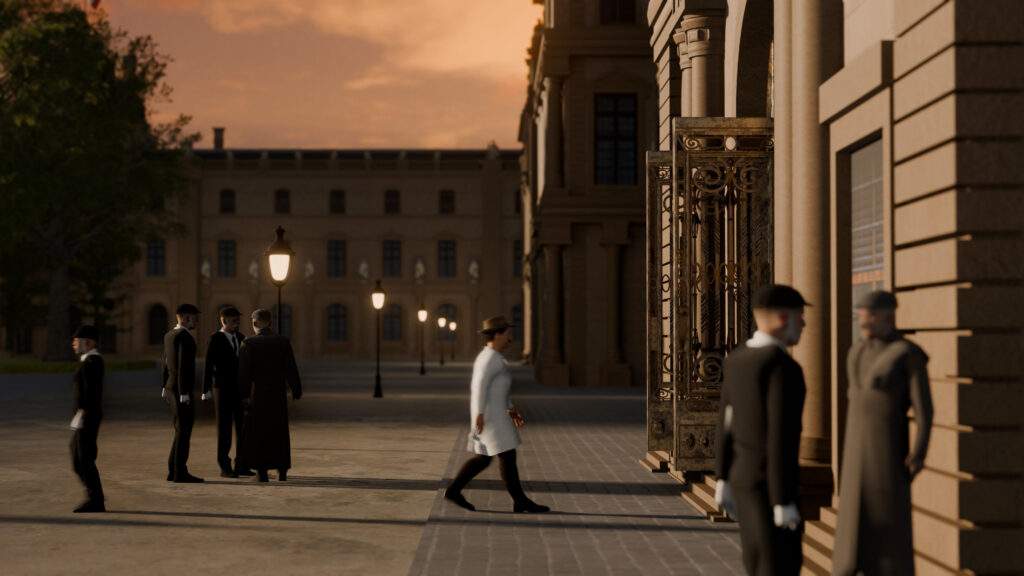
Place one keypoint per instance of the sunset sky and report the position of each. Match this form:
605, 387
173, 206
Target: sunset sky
342, 73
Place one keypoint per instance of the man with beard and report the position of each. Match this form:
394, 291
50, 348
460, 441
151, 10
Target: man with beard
759, 435
179, 385
221, 382
266, 371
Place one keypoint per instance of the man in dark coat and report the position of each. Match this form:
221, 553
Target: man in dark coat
266, 370
887, 375
759, 436
220, 381
179, 385
88, 413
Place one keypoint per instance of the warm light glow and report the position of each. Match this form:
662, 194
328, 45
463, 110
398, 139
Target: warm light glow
442, 322
279, 264
422, 315
377, 297
453, 326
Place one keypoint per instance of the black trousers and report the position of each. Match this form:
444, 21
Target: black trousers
480, 462
83, 460
183, 416
767, 549
230, 414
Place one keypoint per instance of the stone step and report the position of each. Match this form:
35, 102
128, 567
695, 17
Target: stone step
830, 517
707, 494
702, 507
809, 568
821, 533
815, 553
654, 462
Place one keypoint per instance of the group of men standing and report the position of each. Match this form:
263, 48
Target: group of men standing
247, 378
759, 429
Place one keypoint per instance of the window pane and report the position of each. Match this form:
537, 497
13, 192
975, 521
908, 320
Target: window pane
336, 258
446, 262
392, 253
337, 323
226, 258
156, 258
391, 328
866, 239
615, 139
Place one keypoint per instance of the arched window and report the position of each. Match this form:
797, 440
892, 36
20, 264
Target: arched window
337, 323
449, 312
391, 329
284, 325
157, 324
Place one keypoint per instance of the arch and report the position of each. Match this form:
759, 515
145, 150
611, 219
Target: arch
752, 75
156, 324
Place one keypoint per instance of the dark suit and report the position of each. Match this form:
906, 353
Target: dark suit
266, 369
221, 377
88, 390
179, 379
759, 453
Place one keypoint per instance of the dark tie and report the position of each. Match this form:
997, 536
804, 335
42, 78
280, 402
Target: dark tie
234, 343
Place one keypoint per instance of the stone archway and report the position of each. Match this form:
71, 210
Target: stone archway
753, 78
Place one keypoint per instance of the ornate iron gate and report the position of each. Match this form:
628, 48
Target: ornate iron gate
710, 246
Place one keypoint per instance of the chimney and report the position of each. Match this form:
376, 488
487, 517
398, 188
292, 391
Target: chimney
218, 138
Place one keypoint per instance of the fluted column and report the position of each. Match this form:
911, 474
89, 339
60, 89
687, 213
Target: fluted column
553, 308
553, 132
705, 48
685, 70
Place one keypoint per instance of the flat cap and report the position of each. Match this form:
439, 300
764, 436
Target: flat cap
495, 325
87, 331
261, 315
777, 296
877, 300
187, 309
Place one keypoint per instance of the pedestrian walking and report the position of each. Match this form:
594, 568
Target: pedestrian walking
759, 436
179, 385
220, 381
494, 422
887, 375
266, 371
88, 413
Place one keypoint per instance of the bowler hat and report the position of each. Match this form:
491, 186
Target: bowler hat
87, 331
495, 325
877, 300
777, 296
186, 309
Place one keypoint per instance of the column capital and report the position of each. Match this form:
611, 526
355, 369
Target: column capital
702, 34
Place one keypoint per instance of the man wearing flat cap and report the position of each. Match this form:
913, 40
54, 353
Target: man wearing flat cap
179, 388
88, 412
220, 380
887, 375
759, 435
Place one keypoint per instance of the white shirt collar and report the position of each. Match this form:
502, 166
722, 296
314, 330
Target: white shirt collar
226, 333
93, 352
762, 339
176, 326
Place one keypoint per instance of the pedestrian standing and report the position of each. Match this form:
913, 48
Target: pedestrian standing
88, 413
887, 376
266, 371
220, 380
179, 385
759, 436
494, 421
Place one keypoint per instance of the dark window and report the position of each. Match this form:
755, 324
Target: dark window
282, 201
446, 263
337, 323
226, 258
391, 328
392, 253
517, 321
615, 139
227, 201
517, 258
449, 313
337, 201
156, 258
284, 320
392, 202
157, 324
446, 202
618, 11
866, 236
336, 258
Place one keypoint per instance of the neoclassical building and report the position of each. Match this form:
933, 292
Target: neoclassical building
887, 135
439, 228
589, 115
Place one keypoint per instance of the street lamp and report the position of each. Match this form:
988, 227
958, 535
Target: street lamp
377, 298
441, 323
279, 255
452, 326
421, 315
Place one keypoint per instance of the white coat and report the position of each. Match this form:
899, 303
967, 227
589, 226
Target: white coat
489, 391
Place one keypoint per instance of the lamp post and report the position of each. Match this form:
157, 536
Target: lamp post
421, 315
441, 323
451, 327
377, 298
279, 255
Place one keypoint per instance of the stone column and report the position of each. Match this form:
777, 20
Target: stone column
553, 308
782, 112
705, 48
553, 132
684, 76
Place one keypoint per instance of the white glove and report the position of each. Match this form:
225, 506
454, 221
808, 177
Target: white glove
723, 497
184, 399
206, 396
786, 516
163, 393
76, 422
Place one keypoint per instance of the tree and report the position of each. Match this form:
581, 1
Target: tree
85, 176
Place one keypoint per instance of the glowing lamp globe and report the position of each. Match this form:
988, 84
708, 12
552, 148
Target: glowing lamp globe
442, 322
279, 255
421, 315
378, 297
452, 326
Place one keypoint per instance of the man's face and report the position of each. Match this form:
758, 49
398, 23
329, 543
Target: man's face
188, 321
874, 323
502, 340
230, 323
82, 345
793, 322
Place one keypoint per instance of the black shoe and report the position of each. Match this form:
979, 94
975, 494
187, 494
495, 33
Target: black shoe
90, 506
187, 478
261, 476
228, 474
244, 472
459, 500
282, 475
170, 476
529, 507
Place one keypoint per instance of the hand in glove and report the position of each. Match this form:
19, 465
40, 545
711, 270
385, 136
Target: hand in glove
76, 422
206, 396
786, 516
184, 399
723, 497
163, 393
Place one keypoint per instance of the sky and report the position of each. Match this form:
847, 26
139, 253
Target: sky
341, 73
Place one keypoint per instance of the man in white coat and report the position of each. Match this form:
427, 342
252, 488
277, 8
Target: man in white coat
494, 421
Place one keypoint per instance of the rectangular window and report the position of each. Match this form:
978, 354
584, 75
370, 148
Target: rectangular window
156, 258
282, 201
337, 323
517, 258
446, 263
866, 222
446, 202
615, 139
337, 201
336, 258
618, 11
226, 258
392, 253
227, 201
391, 323
392, 202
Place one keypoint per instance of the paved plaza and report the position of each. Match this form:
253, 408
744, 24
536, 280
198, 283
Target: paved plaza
364, 496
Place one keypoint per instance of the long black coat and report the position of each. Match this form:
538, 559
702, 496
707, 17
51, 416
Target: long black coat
87, 384
179, 362
266, 369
